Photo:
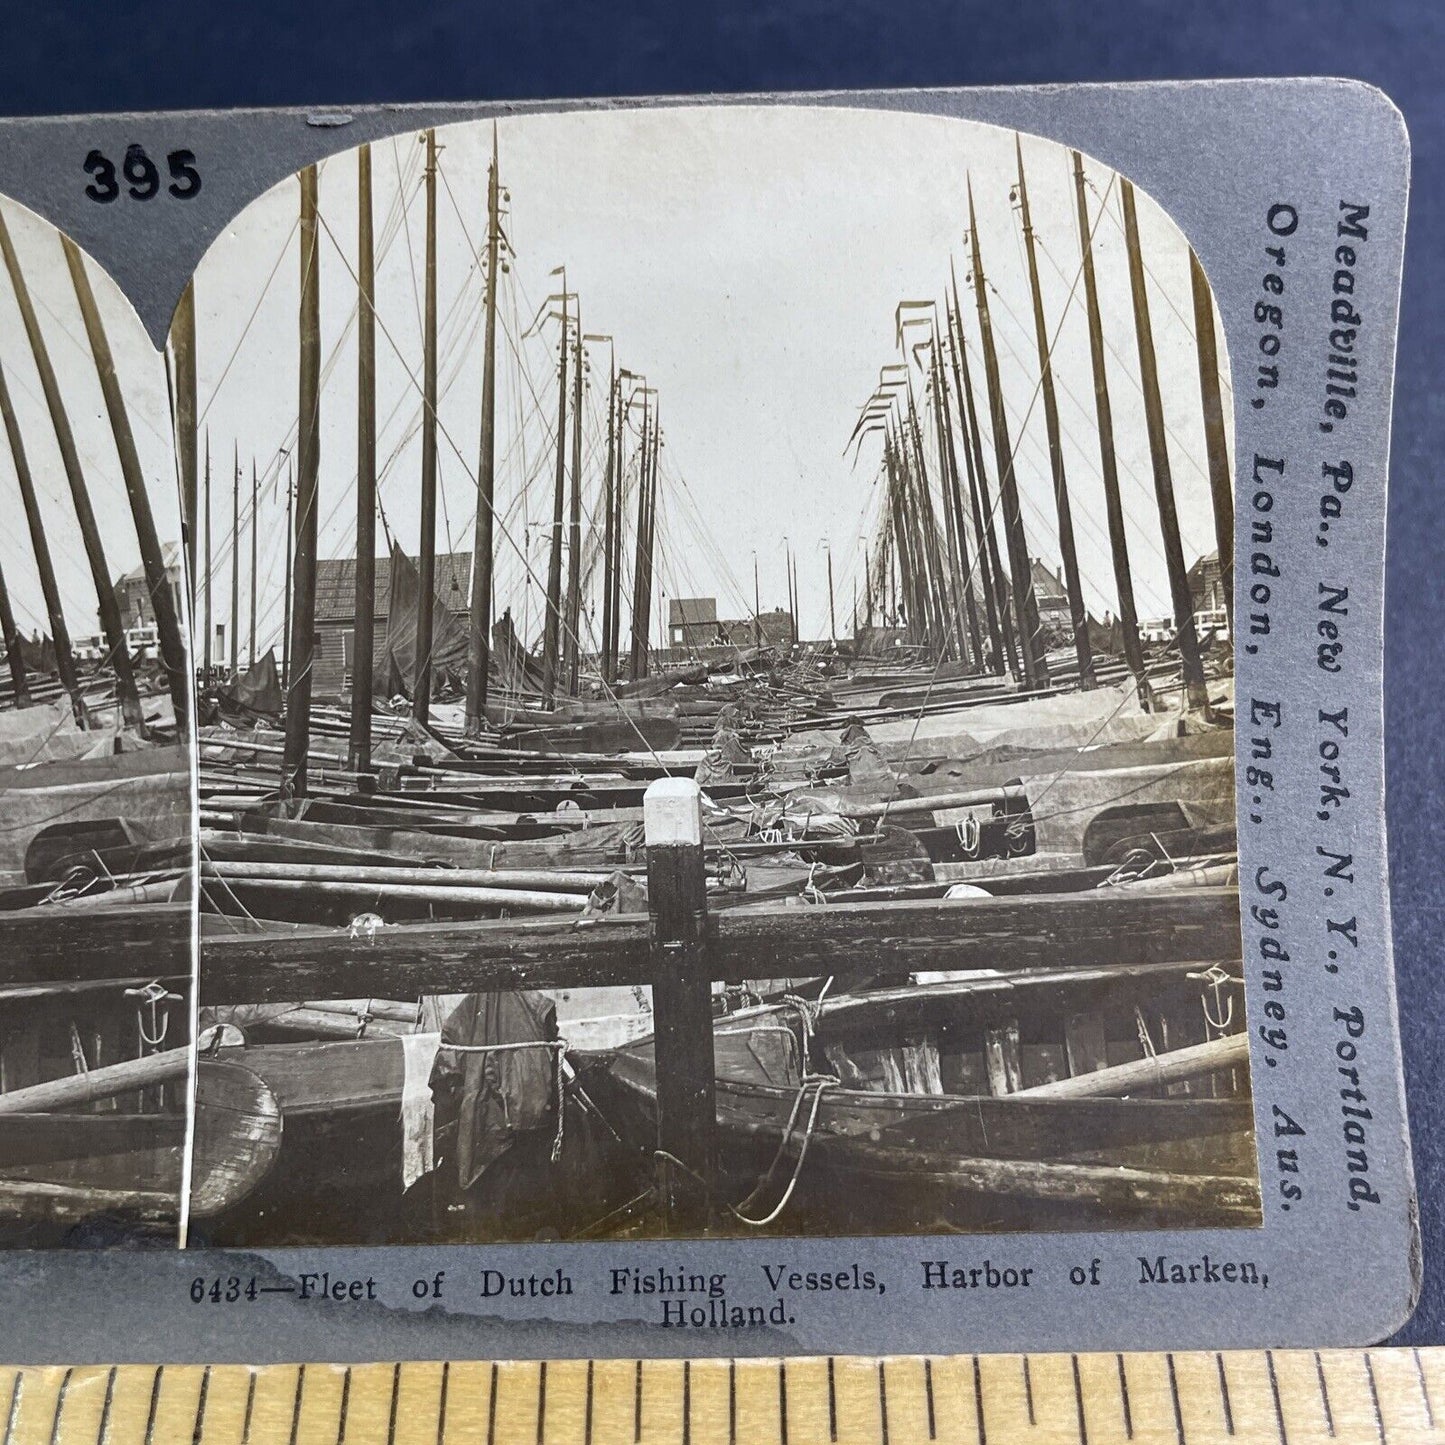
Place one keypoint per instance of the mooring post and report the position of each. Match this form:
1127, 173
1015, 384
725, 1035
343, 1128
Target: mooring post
681, 1002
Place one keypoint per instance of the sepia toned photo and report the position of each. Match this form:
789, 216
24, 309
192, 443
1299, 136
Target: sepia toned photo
713, 632
96, 850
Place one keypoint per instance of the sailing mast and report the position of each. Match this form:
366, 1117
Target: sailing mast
308, 464
650, 541
480, 618
426, 564
363, 614
1109, 467
251, 630
1221, 492
609, 532
183, 350
550, 636
948, 467
637, 660
1026, 607
49, 588
1196, 694
941, 633
163, 606
1078, 616
571, 636
19, 686
206, 573
235, 557
290, 564
995, 593
832, 625
110, 617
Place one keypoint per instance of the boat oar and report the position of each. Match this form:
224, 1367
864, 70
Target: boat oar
102, 1083
1232, 1051
535, 879
514, 898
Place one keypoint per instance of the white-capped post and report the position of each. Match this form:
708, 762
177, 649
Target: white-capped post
682, 1002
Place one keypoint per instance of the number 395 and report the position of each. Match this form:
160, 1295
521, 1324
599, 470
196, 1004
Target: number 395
141, 175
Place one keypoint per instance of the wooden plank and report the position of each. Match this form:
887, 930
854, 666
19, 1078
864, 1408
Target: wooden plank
44, 944
1039, 931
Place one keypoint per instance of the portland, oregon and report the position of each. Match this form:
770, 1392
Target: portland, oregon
713, 641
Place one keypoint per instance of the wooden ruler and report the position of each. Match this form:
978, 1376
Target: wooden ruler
1290, 1397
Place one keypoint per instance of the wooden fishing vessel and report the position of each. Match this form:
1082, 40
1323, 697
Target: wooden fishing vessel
1048, 1099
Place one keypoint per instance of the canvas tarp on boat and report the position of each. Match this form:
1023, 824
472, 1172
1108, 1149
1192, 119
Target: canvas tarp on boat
449, 637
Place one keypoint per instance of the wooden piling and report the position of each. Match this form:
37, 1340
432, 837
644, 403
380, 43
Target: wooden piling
682, 1002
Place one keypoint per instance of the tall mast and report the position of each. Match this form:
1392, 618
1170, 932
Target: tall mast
619, 496
948, 466
609, 530
427, 564
550, 636
19, 685
308, 466
637, 660
235, 557
994, 596
832, 624
290, 567
207, 660
363, 613
1026, 607
944, 634
50, 590
757, 605
251, 629
110, 617
902, 552
571, 636
649, 552
183, 352
1221, 492
480, 614
1078, 616
867, 590
1108, 464
1195, 692
153, 563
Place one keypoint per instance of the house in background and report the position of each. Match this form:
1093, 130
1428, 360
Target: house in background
1206, 585
692, 622
133, 597
336, 613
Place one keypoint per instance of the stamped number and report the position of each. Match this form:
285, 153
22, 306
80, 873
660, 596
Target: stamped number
141, 175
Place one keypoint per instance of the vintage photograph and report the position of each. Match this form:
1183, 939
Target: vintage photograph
96, 842
716, 692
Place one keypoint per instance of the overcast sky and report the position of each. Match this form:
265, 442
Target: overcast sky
143, 378
748, 260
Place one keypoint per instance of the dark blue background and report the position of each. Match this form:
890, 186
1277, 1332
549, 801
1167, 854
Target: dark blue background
165, 54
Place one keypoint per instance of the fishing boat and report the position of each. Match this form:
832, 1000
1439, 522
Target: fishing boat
1048, 1099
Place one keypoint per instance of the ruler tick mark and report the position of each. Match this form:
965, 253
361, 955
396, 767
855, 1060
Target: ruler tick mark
587, 1416
250, 1406
1124, 1398
59, 1406
541, 1400
199, 1428
1029, 1390
832, 1403
1424, 1389
15, 1393
492, 1407
1375, 1397
783, 1401
927, 1395
883, 1401
637, 1403
1324, 1394
395, 1392
442, 1403
296, 1403
687, 1402
345, 1404
104, 1430
1274, 1391
978, 1402
150, 1434
1174, 1395
732, 1402
1078, 1402
1224, 1393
